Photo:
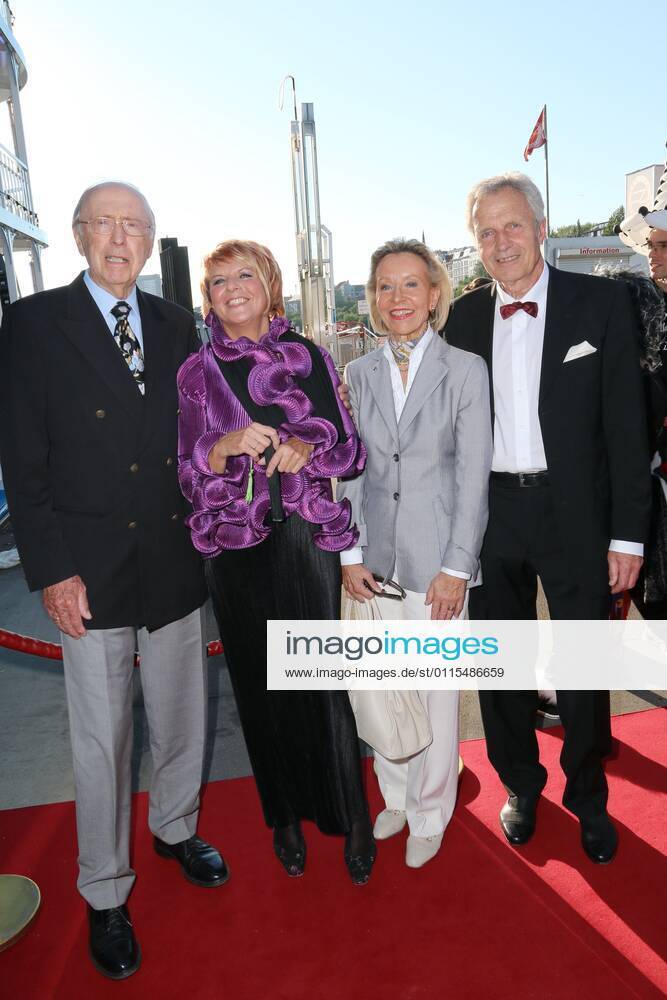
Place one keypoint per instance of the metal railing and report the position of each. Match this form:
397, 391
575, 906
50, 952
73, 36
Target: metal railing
15, 193
355, 342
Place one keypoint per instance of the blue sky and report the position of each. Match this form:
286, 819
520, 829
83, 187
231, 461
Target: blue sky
413, 104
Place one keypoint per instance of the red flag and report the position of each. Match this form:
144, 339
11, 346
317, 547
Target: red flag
538, 137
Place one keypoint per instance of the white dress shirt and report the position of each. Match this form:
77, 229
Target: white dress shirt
518, 342
105, 302
517, 360
400, 392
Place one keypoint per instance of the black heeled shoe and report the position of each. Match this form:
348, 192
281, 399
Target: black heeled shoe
290, 849
360, 865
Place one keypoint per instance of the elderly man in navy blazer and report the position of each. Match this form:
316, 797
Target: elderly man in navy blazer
89, 439
569, 491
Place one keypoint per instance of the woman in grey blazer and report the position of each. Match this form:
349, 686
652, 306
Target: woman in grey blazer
422, 410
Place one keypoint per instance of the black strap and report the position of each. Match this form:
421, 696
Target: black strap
317, 386
236, 374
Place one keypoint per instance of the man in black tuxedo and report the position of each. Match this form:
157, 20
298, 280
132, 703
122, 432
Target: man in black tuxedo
88, 433
569, 493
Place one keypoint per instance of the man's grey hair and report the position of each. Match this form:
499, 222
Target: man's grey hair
511, 179
95, 187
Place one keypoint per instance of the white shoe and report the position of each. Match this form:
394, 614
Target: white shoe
388, 823
419, 850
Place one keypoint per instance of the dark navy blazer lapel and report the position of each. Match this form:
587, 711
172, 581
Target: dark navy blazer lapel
487, 299
87, 330
485, 322
557, 329
158, 359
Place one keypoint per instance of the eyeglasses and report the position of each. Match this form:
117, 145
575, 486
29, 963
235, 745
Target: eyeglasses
400, 594
104, 225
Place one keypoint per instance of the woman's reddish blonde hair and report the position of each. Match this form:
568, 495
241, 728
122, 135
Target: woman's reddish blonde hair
259, 258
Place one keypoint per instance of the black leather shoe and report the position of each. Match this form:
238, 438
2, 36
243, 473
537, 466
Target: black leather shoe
201, 863
292, 857
517, 818
112, 945
360, 866
599, 838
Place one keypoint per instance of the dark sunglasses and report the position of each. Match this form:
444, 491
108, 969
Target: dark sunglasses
398, 596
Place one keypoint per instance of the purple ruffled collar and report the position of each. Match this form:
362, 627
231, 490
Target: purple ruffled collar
274, 365
229, 349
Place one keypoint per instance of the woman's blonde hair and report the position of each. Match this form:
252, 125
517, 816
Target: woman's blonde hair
254, 254
437, 273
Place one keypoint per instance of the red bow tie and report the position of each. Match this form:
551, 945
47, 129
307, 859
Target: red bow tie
529, 307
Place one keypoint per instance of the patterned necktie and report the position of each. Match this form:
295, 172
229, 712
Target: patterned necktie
509, 310
129, 345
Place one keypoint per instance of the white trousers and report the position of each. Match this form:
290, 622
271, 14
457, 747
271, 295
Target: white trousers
424, 786
98, 679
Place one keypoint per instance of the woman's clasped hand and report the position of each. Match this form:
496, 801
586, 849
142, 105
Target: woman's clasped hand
290, 456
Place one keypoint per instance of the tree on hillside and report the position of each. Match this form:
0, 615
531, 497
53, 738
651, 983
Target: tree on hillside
579, 228
573, 229
614, 220
348, 312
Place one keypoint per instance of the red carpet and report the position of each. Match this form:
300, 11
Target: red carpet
480, 921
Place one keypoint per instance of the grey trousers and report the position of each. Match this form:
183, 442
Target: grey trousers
98, 680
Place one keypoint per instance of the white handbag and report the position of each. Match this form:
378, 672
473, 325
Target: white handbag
395, 723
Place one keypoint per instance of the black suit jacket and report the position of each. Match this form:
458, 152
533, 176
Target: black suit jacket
90, 466
591, 412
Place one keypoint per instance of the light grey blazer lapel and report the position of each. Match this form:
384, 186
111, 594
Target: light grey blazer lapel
379, 379
431, 372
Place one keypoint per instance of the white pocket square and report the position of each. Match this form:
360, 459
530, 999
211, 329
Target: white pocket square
579, 351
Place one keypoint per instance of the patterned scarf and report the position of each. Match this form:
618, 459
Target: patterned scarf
402, 349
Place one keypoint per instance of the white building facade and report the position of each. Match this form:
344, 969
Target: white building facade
461, 263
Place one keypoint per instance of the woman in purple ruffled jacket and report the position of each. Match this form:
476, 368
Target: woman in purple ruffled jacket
262, 431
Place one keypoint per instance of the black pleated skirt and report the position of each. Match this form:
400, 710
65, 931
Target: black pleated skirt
302, 745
